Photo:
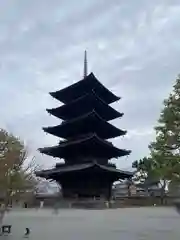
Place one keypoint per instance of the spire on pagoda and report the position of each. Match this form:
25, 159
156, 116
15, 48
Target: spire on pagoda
85, 64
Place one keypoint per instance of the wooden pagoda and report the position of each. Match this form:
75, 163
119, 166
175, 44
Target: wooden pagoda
84, 145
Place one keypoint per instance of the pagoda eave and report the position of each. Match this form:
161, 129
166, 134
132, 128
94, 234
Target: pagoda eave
57, 172
91, 146
87, 84
82, 106
72, 113
86, 124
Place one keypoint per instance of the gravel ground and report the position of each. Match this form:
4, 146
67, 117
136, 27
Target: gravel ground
129, 224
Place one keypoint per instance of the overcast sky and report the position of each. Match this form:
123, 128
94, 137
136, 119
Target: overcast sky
133, 49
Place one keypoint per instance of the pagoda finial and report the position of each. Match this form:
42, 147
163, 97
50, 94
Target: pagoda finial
85, 63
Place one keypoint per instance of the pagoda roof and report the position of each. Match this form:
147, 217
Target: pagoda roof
88, 123
83, 105
57, 172
90, 146
87, 84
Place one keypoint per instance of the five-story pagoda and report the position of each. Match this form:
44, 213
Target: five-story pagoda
85, 130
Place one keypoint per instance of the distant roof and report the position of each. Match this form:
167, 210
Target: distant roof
148, 183
78, 89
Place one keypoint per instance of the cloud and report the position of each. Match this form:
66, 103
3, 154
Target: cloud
133, 48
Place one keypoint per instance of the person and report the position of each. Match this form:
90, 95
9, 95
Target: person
25, 205
2, 212
27, 232
177, 205
41, 204
56, 208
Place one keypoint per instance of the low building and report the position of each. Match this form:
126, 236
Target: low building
123, 189
149, 189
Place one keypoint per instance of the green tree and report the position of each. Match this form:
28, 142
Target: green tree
143, 167
165, 150
164, 160
16, 175
145, 176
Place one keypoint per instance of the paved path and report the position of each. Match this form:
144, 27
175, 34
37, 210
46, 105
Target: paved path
127, 224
